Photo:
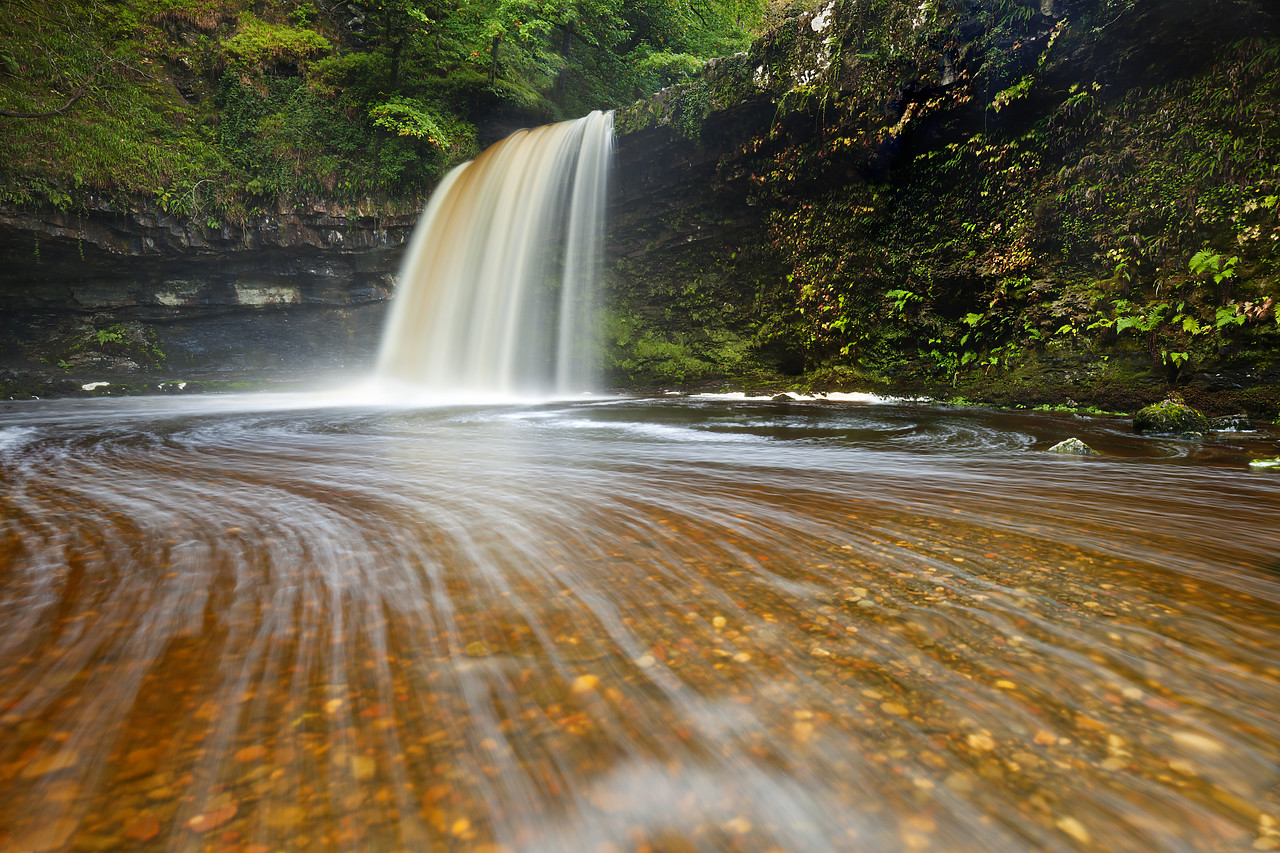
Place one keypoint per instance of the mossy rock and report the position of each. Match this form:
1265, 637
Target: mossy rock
1170, 416
1266, 464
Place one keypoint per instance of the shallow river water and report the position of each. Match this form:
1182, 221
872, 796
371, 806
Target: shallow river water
281, 623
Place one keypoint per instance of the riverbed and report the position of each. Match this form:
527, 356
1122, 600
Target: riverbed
304, 622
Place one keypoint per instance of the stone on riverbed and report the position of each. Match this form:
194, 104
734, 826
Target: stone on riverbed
1232, 423
1266, 464
1073, 445
1170, 416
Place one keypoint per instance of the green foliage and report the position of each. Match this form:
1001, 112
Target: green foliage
123, 340
1022, 213
902, 299
660, 69
638, 353
217, 109
110, 335
1209, 262
407, 117
1013, 93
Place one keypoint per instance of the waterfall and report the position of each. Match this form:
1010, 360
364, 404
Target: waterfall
496, 293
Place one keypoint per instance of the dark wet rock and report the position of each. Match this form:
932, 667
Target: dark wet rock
1170, 416
1073, 446
783, 398
1231, 423
120, 295
141, 229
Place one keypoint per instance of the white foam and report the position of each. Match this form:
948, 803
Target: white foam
384, 392
13, 438
835, 396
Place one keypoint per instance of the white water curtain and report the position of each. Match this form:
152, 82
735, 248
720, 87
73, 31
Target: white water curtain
496, 293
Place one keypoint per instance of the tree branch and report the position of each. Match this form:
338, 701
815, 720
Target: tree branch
75, 96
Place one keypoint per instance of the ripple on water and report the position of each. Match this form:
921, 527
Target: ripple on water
590, 626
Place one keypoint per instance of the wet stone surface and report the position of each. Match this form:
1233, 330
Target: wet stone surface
277, 623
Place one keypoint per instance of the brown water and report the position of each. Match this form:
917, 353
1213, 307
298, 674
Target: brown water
269, 623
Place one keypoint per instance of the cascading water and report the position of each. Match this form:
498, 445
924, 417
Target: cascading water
496, 292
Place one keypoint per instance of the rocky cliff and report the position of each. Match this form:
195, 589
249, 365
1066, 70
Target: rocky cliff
138, 298
1003, 201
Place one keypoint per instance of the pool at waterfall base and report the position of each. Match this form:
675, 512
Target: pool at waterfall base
287, 622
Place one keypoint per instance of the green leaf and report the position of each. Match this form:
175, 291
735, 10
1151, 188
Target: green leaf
1228, 316
1205, 261
1126, 323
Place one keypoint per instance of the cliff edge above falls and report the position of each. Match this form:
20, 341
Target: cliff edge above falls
1063, 202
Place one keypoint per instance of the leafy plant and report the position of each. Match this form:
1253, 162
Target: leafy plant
110, 335
408, 117
902, 300
1222, 270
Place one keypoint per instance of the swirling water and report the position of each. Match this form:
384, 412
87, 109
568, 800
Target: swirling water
279, 623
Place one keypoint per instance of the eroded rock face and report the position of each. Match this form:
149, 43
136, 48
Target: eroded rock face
29, 235
827, 202
102, 294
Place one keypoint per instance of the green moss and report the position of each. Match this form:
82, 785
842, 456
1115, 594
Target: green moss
257, 43
1170, 416
641, 115
730, 81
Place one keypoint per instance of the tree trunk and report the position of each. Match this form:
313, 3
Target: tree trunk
565, 46
493, 59
397, 48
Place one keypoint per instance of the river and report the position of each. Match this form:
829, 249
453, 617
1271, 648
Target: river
288, 622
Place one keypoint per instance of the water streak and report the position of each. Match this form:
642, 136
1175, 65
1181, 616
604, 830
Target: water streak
496, 292
671, 625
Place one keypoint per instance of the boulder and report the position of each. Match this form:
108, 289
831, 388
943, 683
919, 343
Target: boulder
1170, 416
1232, 423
